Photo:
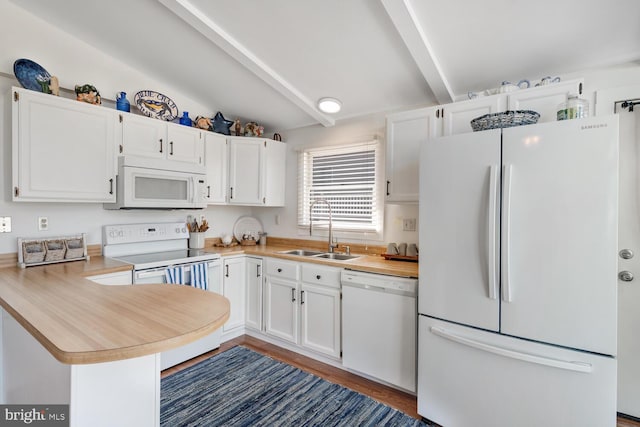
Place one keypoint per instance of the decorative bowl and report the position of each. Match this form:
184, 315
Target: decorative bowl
504, 119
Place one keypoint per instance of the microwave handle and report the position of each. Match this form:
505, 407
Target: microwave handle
192, 189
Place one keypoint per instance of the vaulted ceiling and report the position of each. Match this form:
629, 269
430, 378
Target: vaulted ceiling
271, 60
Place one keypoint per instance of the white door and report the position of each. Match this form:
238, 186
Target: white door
216, 163
320, 319
406, 132
456, 117
245, 171
560, 233
233, 287
459, 223
185, 144
281, 308
253, 315
144, 137
63, 150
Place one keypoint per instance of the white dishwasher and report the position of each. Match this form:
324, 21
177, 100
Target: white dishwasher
379, 327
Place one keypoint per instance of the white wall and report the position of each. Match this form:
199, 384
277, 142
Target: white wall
74, 62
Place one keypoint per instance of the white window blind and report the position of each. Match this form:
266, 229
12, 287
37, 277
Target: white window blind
349, 178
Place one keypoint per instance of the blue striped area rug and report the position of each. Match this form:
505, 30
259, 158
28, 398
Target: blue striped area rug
240, 387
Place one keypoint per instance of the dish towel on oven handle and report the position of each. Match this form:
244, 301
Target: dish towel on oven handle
175, 275
200, 276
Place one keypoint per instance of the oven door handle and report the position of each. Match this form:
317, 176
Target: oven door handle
159, 272
150, 273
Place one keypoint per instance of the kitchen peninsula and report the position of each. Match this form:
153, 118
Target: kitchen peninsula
67, 340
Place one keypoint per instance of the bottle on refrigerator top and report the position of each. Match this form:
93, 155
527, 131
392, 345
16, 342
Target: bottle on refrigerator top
574, 108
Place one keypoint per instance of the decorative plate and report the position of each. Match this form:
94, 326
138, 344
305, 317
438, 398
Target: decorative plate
31, 75
156, 105
247, 225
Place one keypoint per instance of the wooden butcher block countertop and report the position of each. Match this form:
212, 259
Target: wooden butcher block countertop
81, 322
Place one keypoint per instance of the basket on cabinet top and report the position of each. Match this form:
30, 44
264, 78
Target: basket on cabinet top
504, 119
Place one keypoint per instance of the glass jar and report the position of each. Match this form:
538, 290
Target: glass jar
574, 108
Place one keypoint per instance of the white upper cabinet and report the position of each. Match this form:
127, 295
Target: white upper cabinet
256, 172
456, 117
216, 161
406, 131
245, 171
275, 155
544, 100
62, 150
151, 138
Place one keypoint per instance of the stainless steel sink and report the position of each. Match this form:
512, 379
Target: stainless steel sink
337, 257
300, 252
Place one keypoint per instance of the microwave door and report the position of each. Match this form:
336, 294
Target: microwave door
148, 188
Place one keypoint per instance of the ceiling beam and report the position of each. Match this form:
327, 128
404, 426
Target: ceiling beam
406, 21
225, 41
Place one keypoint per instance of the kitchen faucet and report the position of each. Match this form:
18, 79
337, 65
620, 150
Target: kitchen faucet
331, 246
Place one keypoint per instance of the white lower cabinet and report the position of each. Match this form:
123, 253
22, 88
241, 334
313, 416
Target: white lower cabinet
253, 314
303, 309
233, 288
281, 299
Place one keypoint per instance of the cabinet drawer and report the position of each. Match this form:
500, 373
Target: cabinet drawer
284, 269
327, 276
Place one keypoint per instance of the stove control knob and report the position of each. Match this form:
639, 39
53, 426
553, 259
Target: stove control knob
184, 229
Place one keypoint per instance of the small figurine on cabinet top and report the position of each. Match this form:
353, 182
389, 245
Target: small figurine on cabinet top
238, 127
203, 123
54, 86
88, 93
252, 129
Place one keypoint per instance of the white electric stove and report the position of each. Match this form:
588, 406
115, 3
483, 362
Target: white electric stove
152, 248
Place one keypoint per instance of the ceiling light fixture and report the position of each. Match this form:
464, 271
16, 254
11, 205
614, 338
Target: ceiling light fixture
329, 105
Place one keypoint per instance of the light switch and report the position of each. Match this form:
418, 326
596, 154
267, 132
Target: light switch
409, 224
5, 224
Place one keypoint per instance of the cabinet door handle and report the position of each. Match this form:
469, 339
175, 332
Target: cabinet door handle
258, 270
279, 270
388, 182
208, 191
226, 270
161, 145
301, 297
293, 294
171, 148
318, 277
111, 186
231, 193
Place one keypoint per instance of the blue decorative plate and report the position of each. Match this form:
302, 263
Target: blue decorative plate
156, 105
30, 75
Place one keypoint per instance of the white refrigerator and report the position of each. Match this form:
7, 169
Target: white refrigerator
518, 288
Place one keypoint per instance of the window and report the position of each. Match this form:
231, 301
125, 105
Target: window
349, 178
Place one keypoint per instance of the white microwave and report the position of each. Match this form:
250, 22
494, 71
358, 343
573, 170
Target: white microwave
148, 184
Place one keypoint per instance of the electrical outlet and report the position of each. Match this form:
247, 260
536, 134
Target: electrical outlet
43, 223
5, 224
409, 224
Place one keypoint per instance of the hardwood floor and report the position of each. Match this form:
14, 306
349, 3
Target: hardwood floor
387, 395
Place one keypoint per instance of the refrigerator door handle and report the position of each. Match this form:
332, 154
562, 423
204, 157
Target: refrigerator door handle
525, 357
491, 240
506, 231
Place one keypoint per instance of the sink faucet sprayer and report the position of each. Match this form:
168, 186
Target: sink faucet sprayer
331, 247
